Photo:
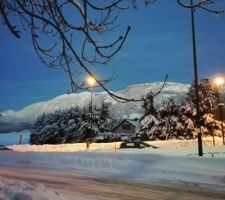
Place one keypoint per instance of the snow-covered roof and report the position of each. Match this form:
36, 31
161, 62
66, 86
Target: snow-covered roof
133, 122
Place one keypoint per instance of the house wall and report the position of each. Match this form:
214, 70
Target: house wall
123, 128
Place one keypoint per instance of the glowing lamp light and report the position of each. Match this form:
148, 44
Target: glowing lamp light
219, 81
91, 81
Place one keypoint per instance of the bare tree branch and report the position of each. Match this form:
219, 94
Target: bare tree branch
58, 27
202, 4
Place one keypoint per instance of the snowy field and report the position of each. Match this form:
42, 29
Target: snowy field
174, 163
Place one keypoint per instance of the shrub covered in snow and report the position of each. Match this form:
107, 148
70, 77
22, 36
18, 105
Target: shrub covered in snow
171, 121
19, 190
212, 126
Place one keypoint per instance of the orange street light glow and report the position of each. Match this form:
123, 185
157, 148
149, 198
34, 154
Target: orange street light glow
91, 81
219, 81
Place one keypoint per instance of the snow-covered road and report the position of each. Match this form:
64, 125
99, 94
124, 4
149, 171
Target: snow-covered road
140, 165
72, 186
67, 173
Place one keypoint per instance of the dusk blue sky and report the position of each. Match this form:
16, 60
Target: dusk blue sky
159, 43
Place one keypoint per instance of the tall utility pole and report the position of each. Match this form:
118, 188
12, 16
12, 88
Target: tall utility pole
200, 150
201, 4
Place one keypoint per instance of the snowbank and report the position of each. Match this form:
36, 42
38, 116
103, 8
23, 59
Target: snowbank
111, 146
206, 141
147, 166
166, 165
66, 147
18, 190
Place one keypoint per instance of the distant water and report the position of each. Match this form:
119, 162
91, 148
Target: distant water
14, 138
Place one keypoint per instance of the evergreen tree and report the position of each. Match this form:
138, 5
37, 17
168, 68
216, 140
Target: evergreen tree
176, 122
209, 97
104, 112
148, 104
149, 120
149, 128
171, 121
66, 126
104, 117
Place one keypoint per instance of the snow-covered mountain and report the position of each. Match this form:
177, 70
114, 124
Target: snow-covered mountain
29, 114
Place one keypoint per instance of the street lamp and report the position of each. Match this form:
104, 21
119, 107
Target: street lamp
219, 81
193, 6
91, 82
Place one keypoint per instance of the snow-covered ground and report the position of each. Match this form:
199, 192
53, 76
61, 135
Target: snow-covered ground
18, 190
175, 163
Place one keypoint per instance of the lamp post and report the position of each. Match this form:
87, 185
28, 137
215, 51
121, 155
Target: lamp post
219, 81
91, 82
193, 6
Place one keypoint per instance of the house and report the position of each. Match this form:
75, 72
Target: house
126, 126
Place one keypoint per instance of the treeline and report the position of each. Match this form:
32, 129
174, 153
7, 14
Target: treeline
169, 121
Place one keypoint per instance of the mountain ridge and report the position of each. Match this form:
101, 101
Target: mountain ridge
117, 110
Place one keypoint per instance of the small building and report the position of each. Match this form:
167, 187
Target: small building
126, 126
